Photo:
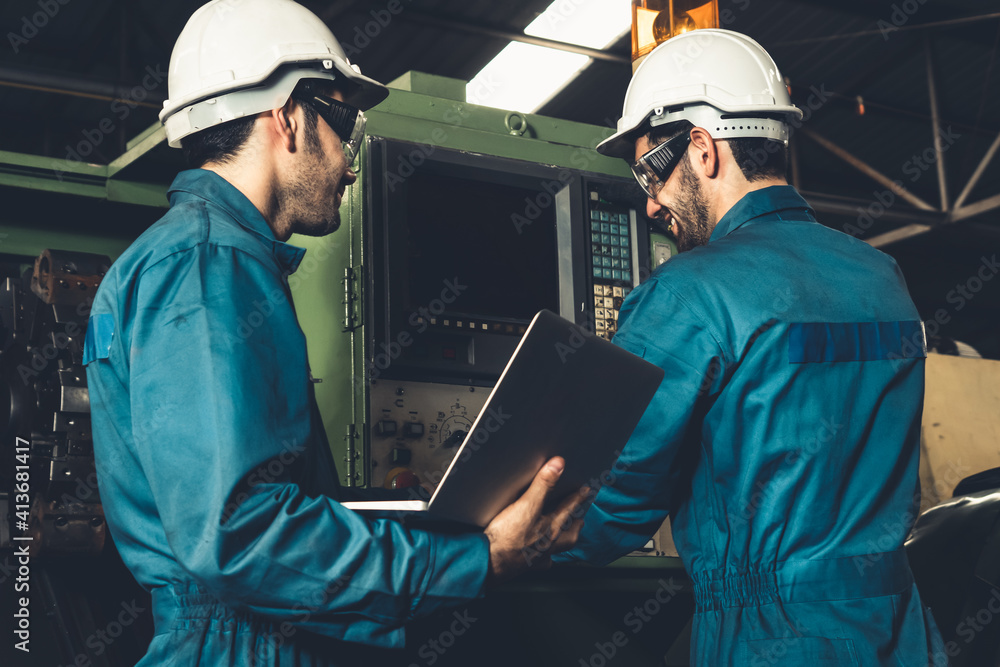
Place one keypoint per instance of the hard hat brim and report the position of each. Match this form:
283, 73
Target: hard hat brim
370, 91
620, 144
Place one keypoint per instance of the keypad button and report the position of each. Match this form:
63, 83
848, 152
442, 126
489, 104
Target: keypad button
615, 229
598, 300
598, 273
627, 275
625, 252
609, 301
616, 274
606, 238
595, 215
605, 250
599, 292
595, 226
616, 291
605, 216
595, 238
607, 290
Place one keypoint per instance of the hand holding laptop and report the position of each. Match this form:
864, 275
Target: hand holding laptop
522, 537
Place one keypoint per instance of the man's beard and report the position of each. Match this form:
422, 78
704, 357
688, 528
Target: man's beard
696, 228
310, 206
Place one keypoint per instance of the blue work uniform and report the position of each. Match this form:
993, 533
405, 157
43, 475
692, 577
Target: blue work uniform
783, 442
214, 471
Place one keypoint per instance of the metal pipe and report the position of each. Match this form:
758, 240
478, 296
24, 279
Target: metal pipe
868, 170
437, 21
906, 28
936, 125
62, 84
980, 170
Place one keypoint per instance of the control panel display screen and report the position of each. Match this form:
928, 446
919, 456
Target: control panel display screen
497, 241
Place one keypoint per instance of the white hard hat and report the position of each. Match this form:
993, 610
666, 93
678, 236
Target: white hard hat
717, 79
237, 58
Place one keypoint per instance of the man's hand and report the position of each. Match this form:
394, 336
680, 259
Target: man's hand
521, 537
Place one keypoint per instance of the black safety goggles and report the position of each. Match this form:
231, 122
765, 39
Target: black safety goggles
346, 120
654, 168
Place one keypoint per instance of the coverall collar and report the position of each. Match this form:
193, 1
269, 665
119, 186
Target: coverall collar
213, 188
760, 203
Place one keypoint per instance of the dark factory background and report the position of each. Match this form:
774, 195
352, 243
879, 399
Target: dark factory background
902, 121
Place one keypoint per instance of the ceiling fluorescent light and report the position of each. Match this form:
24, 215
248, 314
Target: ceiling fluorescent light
594, 23
523, 77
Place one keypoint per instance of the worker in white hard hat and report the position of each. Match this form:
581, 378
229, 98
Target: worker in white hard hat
783, 442
216, 478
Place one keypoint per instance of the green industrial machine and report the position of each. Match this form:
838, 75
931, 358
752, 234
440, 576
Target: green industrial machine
345, 299
398, 379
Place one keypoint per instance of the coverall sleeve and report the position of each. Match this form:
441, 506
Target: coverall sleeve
657, 324
220, 409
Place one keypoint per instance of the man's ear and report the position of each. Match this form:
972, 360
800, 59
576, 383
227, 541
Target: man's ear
284, 125
705, 154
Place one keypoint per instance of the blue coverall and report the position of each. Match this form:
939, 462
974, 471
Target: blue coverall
215, 475
783, 442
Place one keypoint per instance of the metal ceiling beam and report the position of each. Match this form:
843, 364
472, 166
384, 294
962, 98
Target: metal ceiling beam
881, 32
498, 32
868, 170
984, 206
854, 207
980, 170
871, 104
936, 125
906, 232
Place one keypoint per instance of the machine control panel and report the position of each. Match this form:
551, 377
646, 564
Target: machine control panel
610, 244
607, 303
428, 423
613, 265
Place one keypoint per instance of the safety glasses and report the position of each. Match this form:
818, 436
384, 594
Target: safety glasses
654, 168
346, 120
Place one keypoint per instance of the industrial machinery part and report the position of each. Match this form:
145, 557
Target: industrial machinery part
43, 386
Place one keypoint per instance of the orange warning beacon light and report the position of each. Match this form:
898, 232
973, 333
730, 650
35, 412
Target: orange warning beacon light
656, 21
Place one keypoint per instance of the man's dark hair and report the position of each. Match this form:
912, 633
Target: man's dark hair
757, 158
222, 143
760, 158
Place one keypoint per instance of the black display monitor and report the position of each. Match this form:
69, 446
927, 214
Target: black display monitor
470, 231
466, 248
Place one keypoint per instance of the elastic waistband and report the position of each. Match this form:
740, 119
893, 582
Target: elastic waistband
862, 576
186, 601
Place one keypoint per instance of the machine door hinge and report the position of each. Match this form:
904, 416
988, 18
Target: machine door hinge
352, 297
352, 455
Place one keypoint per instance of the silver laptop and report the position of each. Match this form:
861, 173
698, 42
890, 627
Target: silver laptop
565, 392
